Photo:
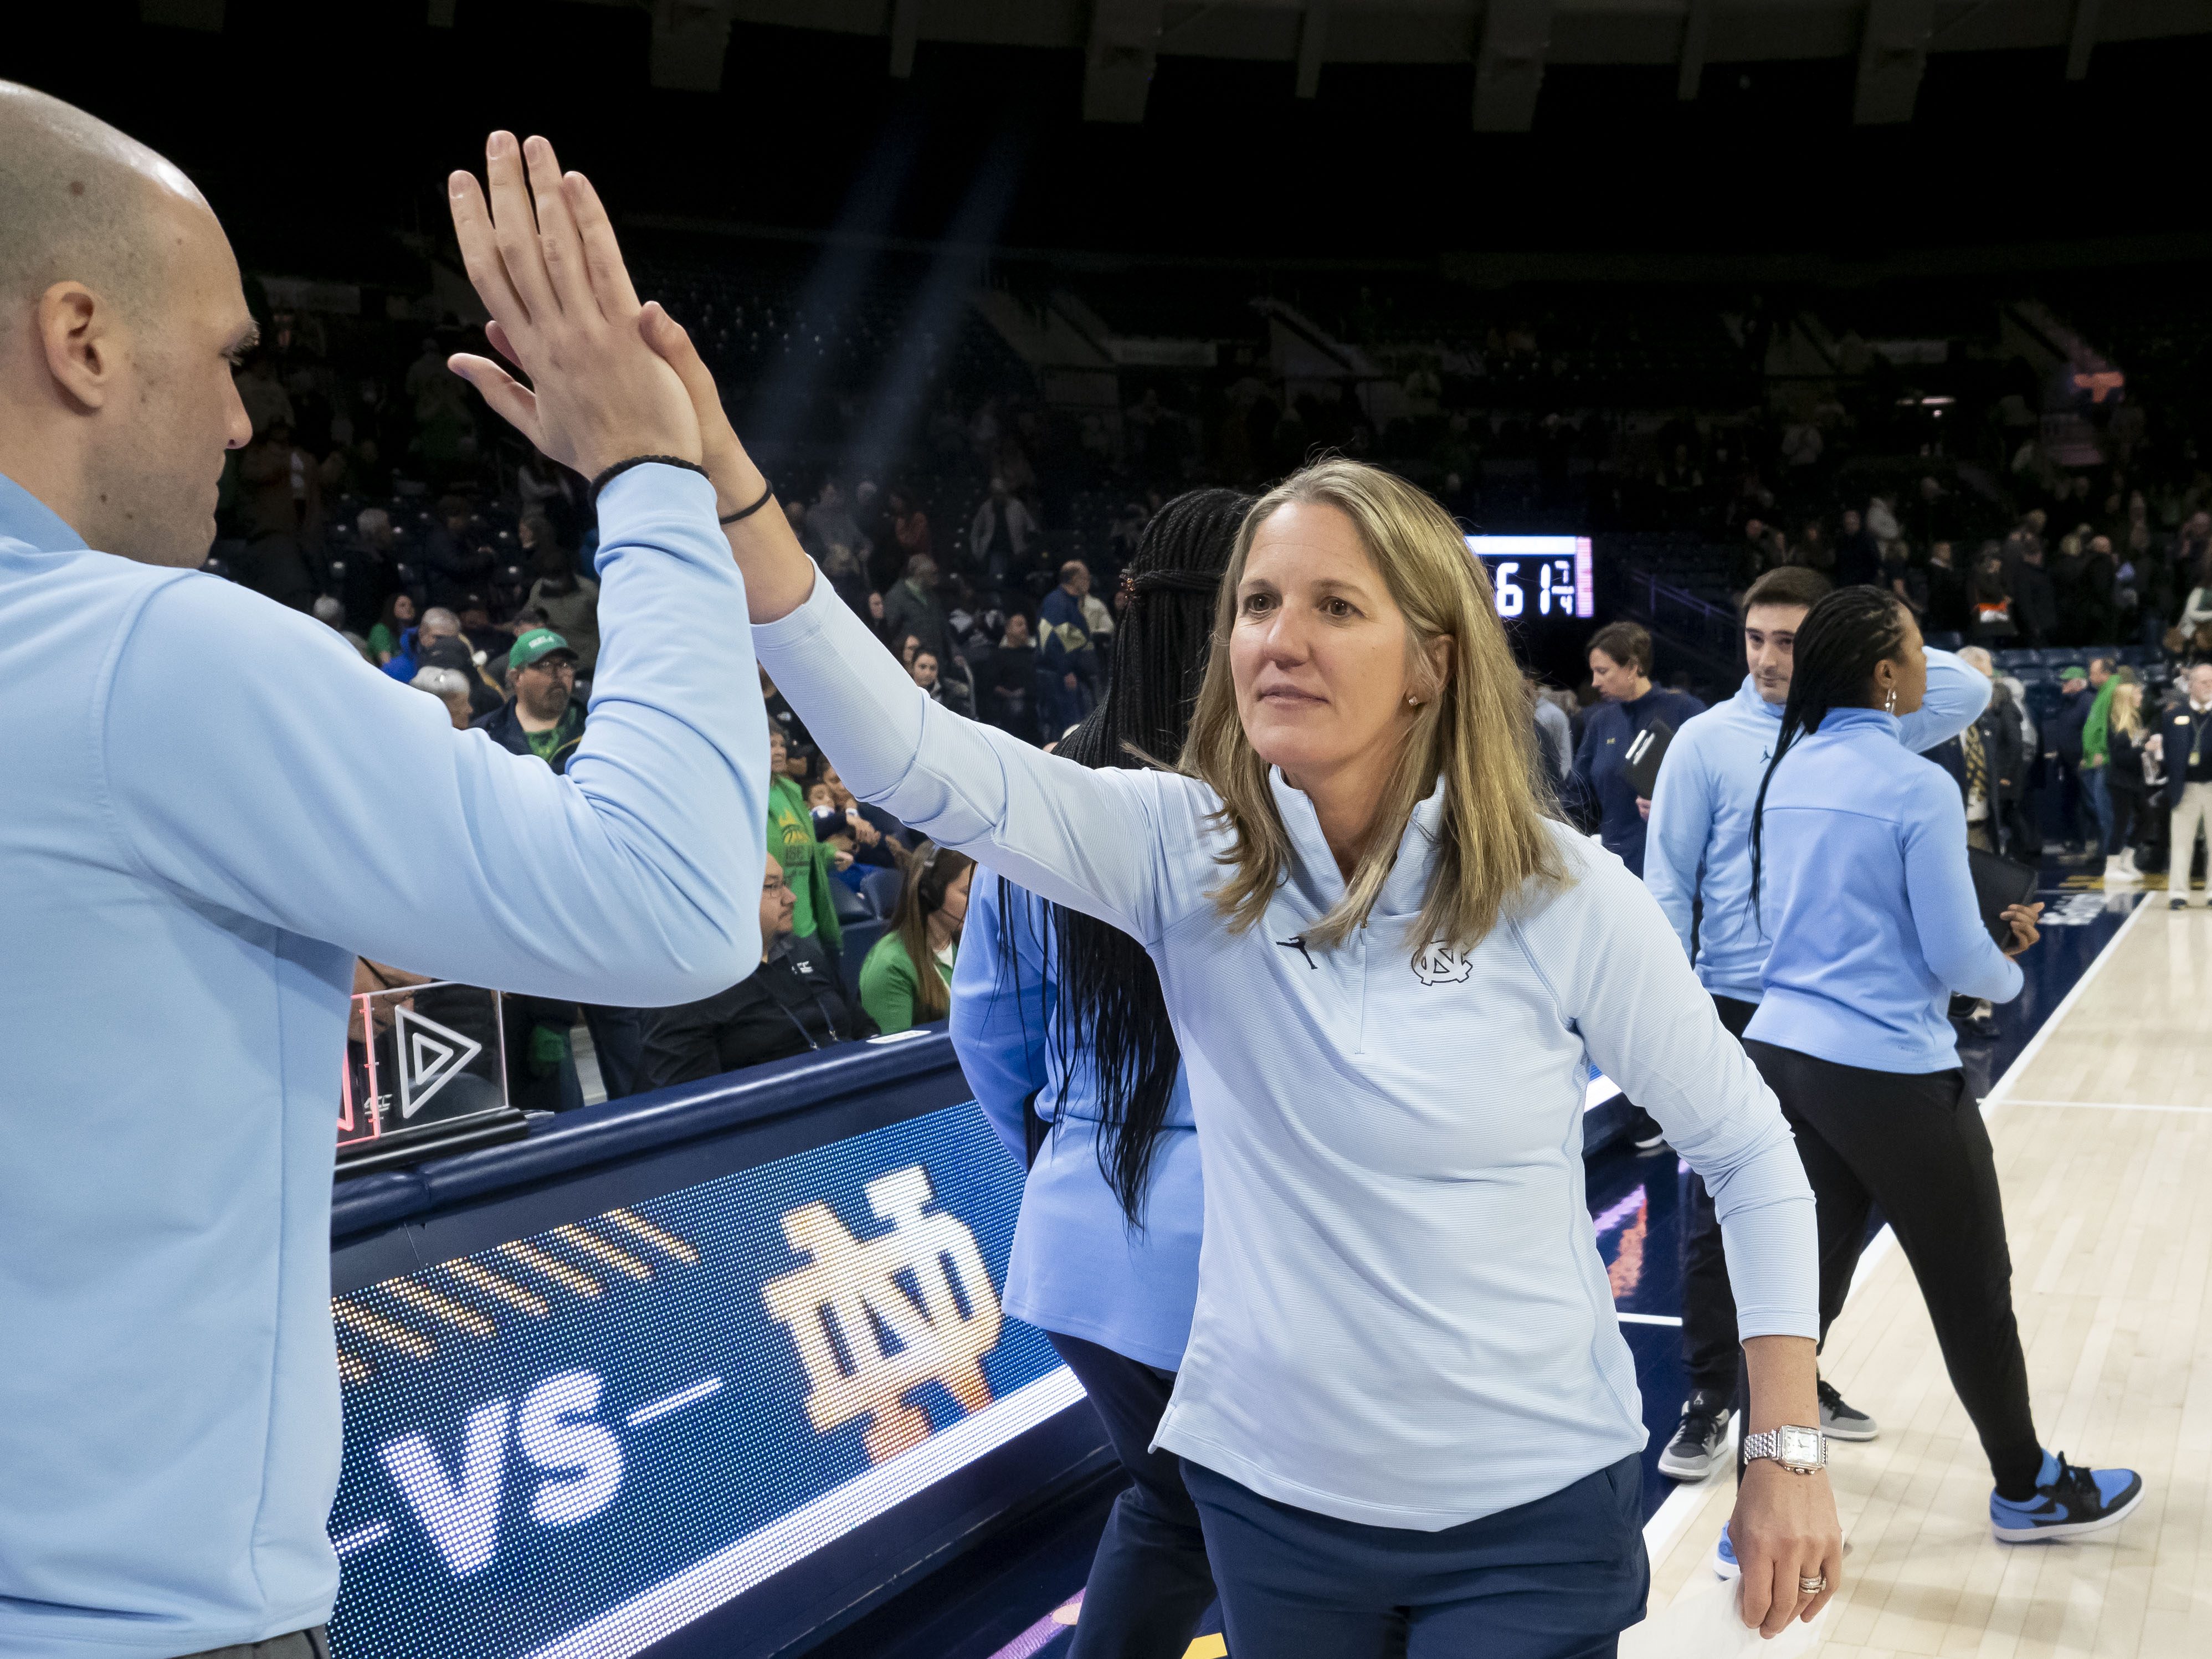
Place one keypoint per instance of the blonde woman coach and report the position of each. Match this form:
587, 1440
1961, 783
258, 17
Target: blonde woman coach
1390, 973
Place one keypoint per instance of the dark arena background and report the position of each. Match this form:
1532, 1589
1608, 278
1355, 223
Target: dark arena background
1652, 294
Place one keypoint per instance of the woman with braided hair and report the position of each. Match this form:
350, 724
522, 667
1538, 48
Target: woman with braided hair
1870, 899
1058, 1020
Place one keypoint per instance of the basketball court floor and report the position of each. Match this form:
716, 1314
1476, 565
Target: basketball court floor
2098, 1089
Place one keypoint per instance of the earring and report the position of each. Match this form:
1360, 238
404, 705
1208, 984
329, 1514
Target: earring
1412, 702
1889, 704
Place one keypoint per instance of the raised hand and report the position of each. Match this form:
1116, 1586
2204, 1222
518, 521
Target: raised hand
778, 574
543, 256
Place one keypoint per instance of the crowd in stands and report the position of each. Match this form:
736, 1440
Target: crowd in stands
985, 547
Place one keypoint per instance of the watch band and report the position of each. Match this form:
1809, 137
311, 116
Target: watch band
1768, 1443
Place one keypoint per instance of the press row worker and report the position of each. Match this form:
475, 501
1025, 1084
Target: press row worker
1355, 871
193, 854
1697, 863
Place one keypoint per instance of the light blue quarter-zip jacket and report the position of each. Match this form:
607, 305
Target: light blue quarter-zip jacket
1402, 1318
212, 804
1699, 845
1870, 904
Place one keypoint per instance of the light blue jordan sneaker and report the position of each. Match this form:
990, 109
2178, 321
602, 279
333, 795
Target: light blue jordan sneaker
2068, 1502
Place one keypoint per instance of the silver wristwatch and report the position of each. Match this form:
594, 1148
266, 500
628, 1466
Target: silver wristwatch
1801, 1451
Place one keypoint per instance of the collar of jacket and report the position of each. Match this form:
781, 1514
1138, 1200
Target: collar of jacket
1746, 696
1314, 872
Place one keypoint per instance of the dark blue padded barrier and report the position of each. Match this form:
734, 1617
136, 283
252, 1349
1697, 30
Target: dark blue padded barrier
824, 1086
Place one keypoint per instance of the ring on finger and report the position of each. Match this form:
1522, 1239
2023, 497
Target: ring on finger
1812, 1586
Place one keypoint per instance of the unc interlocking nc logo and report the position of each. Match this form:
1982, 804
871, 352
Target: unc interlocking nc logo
874, 1321
1439, 964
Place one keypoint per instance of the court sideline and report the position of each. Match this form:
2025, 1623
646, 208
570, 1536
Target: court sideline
2102, 1132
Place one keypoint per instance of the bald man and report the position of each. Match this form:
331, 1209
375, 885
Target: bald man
195, 846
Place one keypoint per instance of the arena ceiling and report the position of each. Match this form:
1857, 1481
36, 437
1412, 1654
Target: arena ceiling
1511, 43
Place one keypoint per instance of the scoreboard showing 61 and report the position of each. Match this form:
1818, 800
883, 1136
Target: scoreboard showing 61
1536, 577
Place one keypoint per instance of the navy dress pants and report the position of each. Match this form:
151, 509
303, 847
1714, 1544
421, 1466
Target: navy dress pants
1558, 1578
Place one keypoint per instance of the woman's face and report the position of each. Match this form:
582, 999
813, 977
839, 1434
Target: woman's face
777, 903
839, 794
953, 913
906, 652
1017, 630
402, 609
776, 755
1318, 649
1906, 673
1616, 682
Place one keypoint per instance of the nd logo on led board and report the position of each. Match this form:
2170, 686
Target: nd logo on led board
872, 1320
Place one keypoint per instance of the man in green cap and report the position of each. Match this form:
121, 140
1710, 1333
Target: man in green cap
542, 719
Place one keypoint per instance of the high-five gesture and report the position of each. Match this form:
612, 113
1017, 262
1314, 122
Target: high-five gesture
541, 255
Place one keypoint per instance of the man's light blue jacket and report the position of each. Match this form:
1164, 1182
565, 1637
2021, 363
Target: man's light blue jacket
212, 805
1699, 845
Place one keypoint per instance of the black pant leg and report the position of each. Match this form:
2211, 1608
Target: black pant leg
1150, 1582
1709, 1325
1918, 1145
1841, 1202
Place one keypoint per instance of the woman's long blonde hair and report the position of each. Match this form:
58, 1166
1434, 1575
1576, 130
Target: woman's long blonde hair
2126, 712
1471, 729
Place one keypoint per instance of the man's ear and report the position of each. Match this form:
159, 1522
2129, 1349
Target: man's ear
82, 344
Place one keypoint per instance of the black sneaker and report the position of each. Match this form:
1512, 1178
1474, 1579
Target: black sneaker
1700, 1444
2177, 904
1645, 1132
1842, 1421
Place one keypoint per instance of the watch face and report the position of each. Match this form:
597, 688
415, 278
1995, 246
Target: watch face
1799, 1446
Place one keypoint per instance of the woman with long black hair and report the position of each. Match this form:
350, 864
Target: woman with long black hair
1058, 1020
1861, 849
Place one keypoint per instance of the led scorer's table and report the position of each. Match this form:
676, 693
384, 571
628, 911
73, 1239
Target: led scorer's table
702, 1371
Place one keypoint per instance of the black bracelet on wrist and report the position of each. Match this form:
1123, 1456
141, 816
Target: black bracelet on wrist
611, 473
768, 492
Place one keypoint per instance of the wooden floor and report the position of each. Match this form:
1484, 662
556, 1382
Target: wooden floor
2104, 1140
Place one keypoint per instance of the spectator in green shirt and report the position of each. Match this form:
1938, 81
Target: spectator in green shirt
807, 863
896, 988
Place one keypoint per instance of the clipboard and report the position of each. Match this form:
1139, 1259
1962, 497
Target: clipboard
1999, 883
1644, 752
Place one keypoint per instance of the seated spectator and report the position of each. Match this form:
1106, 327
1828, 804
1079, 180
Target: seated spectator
570, 601
847, 575
830, 524
329, 612
791, 1003
912, 607
384, 639
544, 720
451, 688
1069, 681
928, 675
439, 643
1006, 682
455, 554
877, 839
906, 980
